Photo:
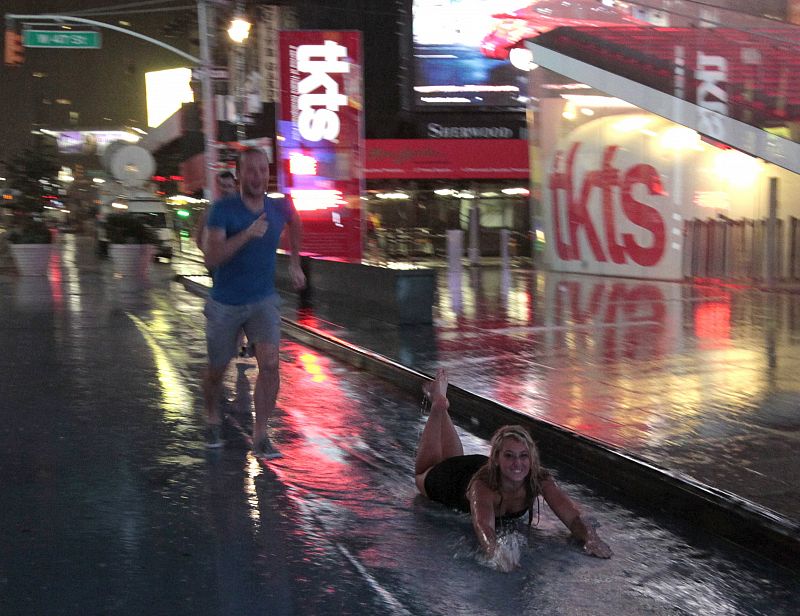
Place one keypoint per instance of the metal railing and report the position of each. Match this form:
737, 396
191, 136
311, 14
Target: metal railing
739, 249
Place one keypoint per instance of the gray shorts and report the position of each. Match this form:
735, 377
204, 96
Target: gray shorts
260, 321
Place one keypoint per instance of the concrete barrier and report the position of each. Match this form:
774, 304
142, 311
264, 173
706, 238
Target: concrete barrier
401, 296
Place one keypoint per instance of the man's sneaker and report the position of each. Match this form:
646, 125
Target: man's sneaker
265, 451
214, 436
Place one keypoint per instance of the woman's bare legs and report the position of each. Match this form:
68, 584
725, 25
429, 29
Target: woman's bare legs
439, 440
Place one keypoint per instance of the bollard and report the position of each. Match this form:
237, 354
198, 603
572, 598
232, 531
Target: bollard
505, 238
455, 248
474, 250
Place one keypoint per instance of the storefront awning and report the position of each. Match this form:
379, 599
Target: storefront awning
446, 159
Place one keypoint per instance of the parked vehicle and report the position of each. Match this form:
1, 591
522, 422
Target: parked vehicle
153, 212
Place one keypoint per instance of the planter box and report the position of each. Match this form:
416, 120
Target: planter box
400, 296
31, 259
132, 260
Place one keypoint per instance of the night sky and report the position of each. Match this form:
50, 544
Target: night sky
106, 87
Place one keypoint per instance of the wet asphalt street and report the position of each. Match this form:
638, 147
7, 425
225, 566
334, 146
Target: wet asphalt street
113, 506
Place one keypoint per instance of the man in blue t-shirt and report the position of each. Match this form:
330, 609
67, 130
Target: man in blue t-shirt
242, 235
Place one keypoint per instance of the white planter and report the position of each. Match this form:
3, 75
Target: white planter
131, 260
31, 259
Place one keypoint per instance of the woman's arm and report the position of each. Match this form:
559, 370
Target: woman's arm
200, 229
481, 504
570, 515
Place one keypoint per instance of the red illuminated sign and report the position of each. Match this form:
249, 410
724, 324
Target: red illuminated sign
322, 144
572, 200
449, 159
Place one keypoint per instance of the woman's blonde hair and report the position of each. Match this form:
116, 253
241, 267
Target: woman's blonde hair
489, 473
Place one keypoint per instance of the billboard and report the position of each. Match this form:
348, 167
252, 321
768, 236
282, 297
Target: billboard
88, 142
471, 53
321, 138
618, 190
166, 91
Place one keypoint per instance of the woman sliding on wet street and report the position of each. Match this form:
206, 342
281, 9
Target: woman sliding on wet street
500, 487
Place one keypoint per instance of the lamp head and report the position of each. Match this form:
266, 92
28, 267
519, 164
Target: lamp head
239, 29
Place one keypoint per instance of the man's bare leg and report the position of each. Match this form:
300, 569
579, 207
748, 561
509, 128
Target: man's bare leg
212, 393
212, 390
266, 389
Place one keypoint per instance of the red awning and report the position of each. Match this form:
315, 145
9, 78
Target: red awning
754, 74
449, 159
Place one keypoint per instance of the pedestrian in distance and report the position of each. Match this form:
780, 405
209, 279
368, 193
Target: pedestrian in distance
499, 487
242, 235
227, 187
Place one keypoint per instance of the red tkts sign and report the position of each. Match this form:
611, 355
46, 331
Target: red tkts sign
321, 144
447, 159
570, 201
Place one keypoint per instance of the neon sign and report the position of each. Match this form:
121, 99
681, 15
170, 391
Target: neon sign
310, 200
321, 137
302, 164
319, 117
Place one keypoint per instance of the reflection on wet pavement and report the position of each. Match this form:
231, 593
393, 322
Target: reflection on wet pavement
697, 378
112, 505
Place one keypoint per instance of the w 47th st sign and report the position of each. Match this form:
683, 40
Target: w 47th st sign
70, 39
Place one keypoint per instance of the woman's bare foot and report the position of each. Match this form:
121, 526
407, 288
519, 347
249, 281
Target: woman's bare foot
436, 386
439, 384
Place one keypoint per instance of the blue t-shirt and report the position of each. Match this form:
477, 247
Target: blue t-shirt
249, 276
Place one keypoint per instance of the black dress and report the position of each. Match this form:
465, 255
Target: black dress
447, 482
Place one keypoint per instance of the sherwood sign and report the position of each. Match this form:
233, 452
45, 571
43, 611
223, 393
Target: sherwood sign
439, 131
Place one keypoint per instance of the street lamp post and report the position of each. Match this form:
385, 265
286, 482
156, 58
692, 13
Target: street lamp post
238, 31
209, 123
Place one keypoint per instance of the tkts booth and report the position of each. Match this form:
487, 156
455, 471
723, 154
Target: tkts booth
668, 153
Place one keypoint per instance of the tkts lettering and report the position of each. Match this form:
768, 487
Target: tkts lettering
319, 118
611, 182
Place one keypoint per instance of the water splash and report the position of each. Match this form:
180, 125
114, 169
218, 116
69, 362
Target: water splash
508, 554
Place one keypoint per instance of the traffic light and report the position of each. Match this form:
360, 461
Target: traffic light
14, 52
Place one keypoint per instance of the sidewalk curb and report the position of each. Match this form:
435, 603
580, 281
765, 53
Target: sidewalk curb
716, 511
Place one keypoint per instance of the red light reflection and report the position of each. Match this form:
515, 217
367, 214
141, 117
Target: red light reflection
54, 275
321, 433
712, 324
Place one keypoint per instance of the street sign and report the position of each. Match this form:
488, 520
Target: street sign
214, 72
66, 39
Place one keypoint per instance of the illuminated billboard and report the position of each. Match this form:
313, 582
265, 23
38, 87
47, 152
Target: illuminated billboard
620, 191
88, 142
320, 137
166, 92
471, 53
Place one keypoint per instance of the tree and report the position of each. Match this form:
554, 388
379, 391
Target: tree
25, 170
